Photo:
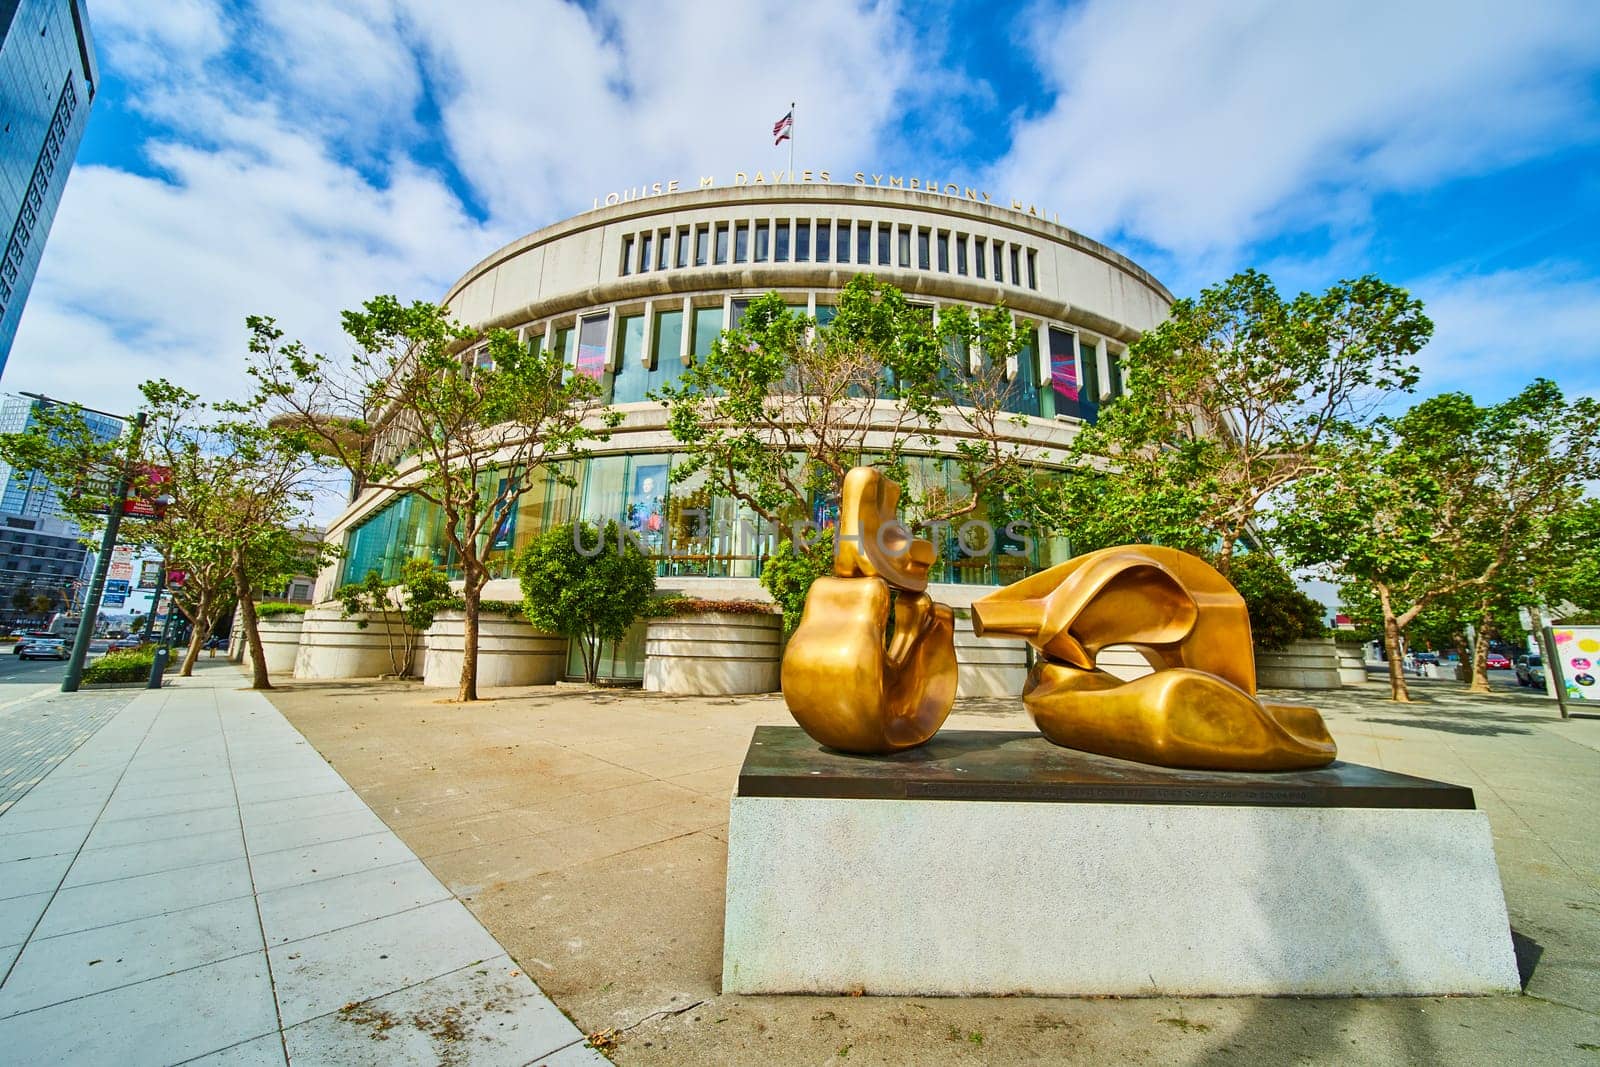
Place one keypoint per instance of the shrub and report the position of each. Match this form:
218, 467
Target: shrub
789, 572
127, 665
589, 594
1280, 613
279, 607
678, 604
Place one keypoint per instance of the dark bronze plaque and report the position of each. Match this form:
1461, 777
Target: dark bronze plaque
1012, 765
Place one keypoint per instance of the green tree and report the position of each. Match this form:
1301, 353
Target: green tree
588, 583
789, 572
406, 606
1280, 613
1444, 501
1237, 395
464, 419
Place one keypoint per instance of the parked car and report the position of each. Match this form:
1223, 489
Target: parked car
1530, 670
1498, 662
1427, 657
51, 647
121, 643
217, 643
31, 635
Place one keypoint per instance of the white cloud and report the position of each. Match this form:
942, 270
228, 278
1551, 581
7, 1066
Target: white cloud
546, 106
1208, 125
1494, 333
284, 176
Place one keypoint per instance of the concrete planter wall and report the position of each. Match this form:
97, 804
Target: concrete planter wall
510, 652
1311, 664
988, 666
332, 646
280, 642
1352, 662
713, 654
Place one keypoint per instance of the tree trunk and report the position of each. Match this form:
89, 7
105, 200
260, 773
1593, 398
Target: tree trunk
1536, 620
1480, 653
200, 630
471, 598
1225, 555
252, 631
1391, 650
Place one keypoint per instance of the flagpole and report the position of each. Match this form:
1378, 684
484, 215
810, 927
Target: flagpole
791, 142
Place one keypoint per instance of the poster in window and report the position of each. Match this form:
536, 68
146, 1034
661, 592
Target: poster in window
647, 503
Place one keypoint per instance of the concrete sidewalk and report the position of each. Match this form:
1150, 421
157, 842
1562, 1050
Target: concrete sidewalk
195, 883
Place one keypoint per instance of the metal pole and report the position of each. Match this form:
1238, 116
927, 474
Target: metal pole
97, 584
1552, 671
155, 602
158, 665
791, 142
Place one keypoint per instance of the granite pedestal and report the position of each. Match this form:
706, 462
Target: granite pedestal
990, 862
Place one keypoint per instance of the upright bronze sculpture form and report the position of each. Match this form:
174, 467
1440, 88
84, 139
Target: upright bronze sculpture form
1198, 709
854, 678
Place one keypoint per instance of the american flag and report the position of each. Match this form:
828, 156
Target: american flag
780, 129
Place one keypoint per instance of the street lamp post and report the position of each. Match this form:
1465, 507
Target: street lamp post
97, 584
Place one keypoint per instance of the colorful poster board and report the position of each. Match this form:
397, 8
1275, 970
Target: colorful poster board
1576, 666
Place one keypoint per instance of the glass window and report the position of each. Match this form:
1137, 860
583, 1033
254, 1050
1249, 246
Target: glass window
741, 242
604, 485
1022, 396
739, 308
780, 243
904, 242
1114, 372
566, 344
627, 253
592, 347
630, 381
824, 232
961, 253
922, 249
883, 244
864, 243
1064, 372
999, 264
1089, 401
702, 246
667, 345
944, 251
707, 327
762, 238
644, 252
683, 246
1033, 269
802, 241
979, 254
722, 242
1016, 265
826, 314
841, 247
664, 247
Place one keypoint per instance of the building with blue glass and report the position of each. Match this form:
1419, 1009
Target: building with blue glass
47, 82
634, 292
41, 554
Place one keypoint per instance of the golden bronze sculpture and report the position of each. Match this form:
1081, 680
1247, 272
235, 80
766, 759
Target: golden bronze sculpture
850, 680
1198, 710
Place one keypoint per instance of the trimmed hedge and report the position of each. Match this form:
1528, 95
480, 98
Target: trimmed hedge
279, 607
127, 665
668, 606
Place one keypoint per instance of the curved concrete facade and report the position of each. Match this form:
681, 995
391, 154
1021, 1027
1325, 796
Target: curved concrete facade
332, 646
280, 642
510, 652
634, 291
713, 654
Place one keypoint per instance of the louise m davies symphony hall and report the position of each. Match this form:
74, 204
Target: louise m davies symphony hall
637, 289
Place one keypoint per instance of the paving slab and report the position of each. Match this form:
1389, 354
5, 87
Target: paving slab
145, 875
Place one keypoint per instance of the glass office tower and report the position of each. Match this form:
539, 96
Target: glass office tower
47, 81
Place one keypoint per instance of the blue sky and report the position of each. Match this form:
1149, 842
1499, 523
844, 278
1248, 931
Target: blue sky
292, 158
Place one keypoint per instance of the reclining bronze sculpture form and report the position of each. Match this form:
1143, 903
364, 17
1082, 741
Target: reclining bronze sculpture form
1198, 710
858, 683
